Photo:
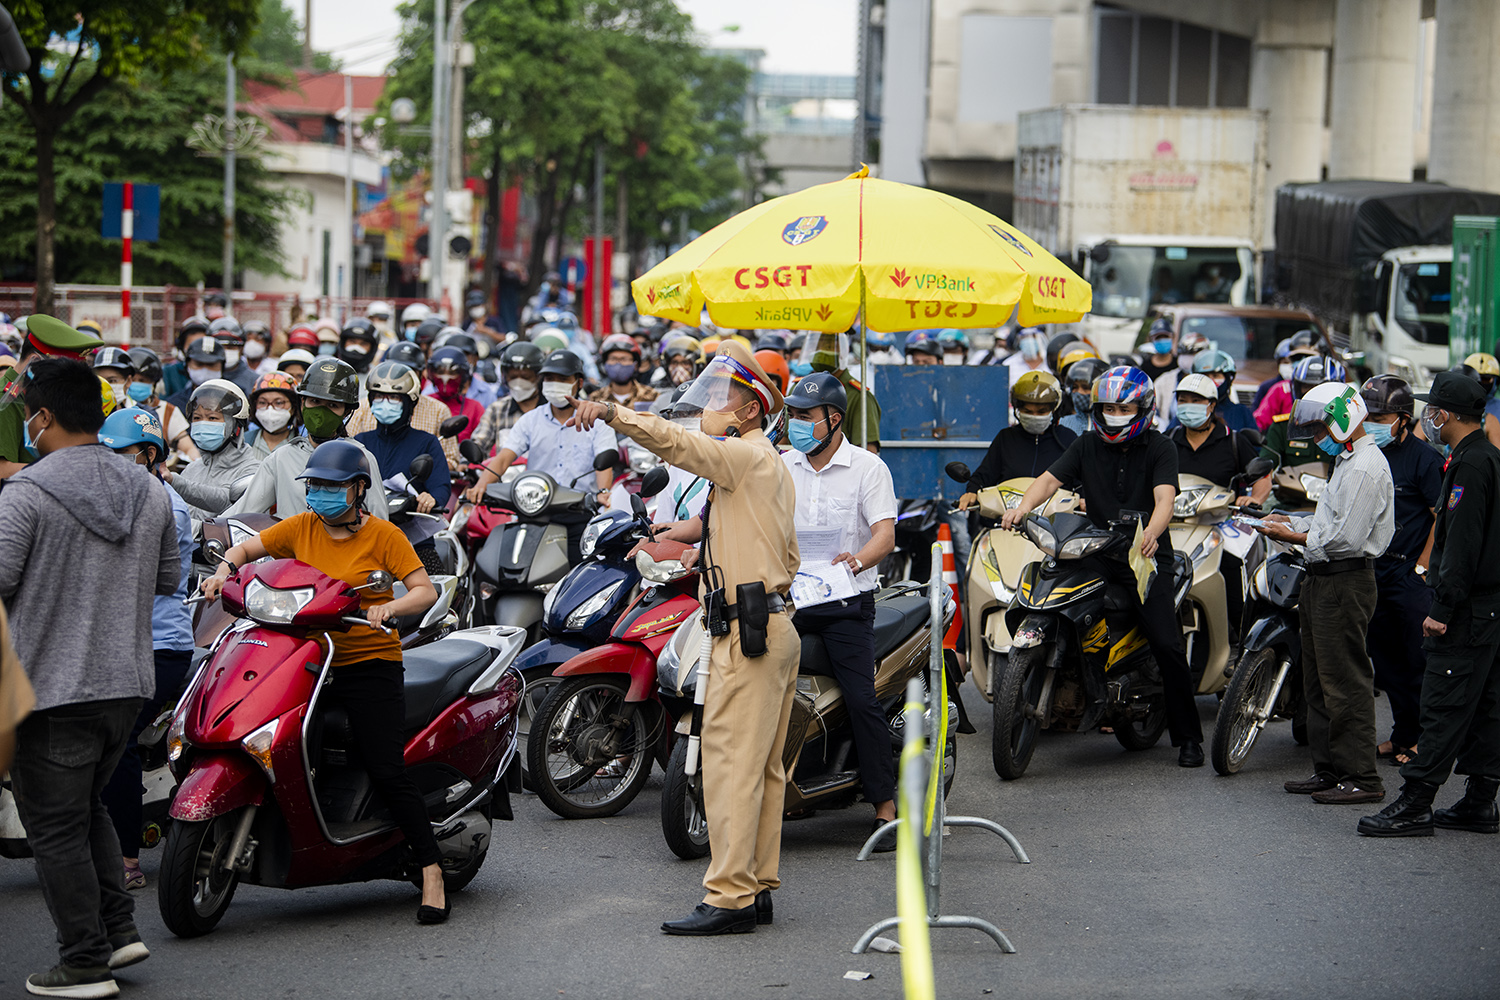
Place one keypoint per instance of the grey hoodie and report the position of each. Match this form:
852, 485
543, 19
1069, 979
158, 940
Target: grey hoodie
86, 540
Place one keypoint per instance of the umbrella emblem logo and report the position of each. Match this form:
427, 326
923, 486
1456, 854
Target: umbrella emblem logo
824, 312
900, 277
1007, 237
804, 229
651, 295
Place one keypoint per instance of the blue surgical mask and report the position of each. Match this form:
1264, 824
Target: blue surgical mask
387, 411
1330, 447
802, 436
1163, 345
26, 440
328, 501
1380, 433
801, 369
138, 391
1192, 415
207, 435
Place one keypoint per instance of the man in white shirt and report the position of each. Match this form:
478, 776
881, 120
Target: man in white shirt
840, 486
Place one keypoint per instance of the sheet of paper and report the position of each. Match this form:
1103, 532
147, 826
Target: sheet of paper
819, 581
820, 544
1143, 568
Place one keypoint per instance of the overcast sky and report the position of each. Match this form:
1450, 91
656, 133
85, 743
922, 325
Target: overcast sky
798, 36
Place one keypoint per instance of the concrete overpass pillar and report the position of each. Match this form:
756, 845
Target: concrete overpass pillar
1374, 89
1289, 78
1465, 146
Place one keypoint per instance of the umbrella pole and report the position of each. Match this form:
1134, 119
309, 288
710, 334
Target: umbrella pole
866, 379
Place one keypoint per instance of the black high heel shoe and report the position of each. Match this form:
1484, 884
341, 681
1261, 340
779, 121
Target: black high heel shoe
433, 915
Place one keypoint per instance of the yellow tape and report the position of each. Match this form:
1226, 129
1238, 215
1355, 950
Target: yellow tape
935, 781
911, 897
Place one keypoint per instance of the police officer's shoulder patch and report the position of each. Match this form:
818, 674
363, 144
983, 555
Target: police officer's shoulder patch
1454, 496
1281, 418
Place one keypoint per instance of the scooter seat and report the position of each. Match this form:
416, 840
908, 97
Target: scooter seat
896, 620
438, 674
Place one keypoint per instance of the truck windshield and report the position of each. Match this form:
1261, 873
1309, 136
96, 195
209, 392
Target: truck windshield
1131, 278
1424, 294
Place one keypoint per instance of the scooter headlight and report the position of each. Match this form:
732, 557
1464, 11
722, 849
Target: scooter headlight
664, 571
531, 494
258, 745
586, 611
176, 738
1186, 504
1077, 548
591, 535
274, 606
1040, 533
1313, 486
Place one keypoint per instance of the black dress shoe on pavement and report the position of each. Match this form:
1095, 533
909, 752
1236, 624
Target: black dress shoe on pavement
432, 915
1191, 755
763, 914
1347, 793
1320, 782
1476, 811
1409, 816
706, 921
885, 844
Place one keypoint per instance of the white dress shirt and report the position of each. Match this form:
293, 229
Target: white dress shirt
1356, 515
564, 453
854, 491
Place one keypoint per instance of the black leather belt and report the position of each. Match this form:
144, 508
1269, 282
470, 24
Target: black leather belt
1339, 566
775, 604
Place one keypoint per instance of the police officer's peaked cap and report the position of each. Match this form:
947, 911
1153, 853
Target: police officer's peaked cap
52, 336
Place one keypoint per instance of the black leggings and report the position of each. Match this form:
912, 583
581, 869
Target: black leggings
370, 691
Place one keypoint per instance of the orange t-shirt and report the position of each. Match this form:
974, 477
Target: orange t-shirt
377, 545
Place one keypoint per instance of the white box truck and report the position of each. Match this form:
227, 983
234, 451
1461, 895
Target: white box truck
1149, 204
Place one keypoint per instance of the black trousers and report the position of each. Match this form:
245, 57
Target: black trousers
848, 631
1159, 624
1338, 679
1402, 601
1460, 701
371, 693
122, 796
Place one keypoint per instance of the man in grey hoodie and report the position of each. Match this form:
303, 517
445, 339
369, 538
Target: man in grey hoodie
86, 540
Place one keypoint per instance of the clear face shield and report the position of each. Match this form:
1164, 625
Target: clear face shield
722, 396
822, 352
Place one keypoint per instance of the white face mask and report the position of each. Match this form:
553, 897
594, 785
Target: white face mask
952, 360
1284, 369
691, 424
521, 389
559, 394
272, 420
1033, 423
477, 312
1114, 421
231, 357
254, 350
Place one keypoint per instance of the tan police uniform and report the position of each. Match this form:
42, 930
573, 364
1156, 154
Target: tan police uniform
751, 537
16, 697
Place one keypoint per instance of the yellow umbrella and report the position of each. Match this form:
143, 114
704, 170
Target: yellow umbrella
911, 258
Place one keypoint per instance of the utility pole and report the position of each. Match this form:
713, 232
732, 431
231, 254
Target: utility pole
307, 35
599, 266
348, 291
437, 231
229, 139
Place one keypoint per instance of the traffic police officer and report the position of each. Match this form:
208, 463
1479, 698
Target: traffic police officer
46, 336
749, 560
1461, 686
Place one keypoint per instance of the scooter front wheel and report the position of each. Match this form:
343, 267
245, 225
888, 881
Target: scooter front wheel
683, 821
1235, 729
1017, 715
590, 750
194, 888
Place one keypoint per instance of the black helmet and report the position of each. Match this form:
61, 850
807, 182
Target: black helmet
1055, 347
1388, 394
523, 354
449, 361
563, 362
772, 341
337, 462
330, 379
427, 332
407, 353
147, 363
114, 357
206, 350
193, 324
452, 336
818, 389
360, 328
1081, 374
226, 330
216, 299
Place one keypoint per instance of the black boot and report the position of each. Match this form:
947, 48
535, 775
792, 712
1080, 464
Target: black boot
1476, 811
1409, 816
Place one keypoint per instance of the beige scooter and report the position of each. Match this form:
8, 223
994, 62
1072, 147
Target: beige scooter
1198, 511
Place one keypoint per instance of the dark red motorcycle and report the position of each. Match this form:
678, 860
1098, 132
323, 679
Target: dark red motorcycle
272, 792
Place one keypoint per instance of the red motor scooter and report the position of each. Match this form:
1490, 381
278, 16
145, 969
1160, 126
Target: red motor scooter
272, 791
592, 740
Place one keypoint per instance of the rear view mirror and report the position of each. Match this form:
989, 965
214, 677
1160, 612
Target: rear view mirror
453, 426
656, 480
1259, 467
958, 472
419, 470
1253, 436
638, 506
378, 581
471, 452
214, 549
606, 460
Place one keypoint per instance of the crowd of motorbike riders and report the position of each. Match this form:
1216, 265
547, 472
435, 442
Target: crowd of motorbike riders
400, 444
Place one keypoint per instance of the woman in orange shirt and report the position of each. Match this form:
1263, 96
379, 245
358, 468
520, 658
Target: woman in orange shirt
336, 535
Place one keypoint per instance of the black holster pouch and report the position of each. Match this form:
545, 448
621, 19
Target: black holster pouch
754, 616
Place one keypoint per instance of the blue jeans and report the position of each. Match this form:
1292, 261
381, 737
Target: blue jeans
64, 758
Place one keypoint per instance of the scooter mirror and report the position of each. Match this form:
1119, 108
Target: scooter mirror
471, 452
378, 581
606, 460
214, 549
638, 505
1259, 467
957, 471
453, 426
419, 470
656, 480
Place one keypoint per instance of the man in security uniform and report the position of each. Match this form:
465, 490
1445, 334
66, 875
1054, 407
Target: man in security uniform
749, 559
1461, 686
46, 336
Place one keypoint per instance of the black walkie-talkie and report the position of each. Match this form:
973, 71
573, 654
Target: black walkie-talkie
715, 618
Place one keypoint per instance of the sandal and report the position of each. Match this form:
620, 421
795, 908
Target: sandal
1387, 751
1406, 756
134, 877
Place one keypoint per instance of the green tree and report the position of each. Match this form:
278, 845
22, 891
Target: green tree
109, 43
278, 41
140, 134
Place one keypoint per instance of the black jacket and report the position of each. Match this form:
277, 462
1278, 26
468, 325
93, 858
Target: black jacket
1016, 453
1465, 566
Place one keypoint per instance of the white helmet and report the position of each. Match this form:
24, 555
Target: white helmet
1336, 405
1198, 385
415, 313
378, 310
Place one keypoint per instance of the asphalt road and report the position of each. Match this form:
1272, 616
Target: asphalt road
1147, 881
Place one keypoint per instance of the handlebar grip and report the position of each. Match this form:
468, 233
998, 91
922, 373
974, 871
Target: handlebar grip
361, 620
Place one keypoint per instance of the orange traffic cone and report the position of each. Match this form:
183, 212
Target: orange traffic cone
950, 577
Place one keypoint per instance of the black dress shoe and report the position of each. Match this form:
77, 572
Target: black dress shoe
707, 920
763, 913
433, 915
1319, 782
885, 844
1191, 755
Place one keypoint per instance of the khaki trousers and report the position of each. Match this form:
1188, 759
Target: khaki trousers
745, 713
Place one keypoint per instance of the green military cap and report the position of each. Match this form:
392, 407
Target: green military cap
51, 335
